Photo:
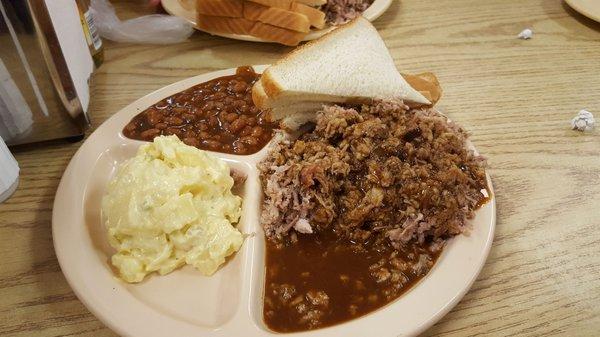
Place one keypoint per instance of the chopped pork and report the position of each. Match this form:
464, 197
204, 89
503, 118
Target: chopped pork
338, 12
380, 171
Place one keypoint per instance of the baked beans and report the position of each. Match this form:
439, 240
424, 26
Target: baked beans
218, 115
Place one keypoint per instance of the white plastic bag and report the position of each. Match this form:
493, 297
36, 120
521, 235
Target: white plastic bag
151, 29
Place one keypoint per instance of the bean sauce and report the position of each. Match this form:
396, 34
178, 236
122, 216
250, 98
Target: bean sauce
321, 280
218, 115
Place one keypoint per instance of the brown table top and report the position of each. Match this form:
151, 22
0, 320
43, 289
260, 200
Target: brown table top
516, 98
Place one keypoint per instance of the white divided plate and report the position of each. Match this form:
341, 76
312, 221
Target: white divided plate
186, 9
229, 303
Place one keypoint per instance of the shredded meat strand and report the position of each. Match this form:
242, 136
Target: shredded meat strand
338, 12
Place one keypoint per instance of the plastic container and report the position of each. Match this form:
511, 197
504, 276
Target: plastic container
9, 172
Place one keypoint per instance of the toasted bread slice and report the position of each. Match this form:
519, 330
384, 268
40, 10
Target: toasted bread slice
277, 34
221, 24
283, 4
253, 10
226, 8
285, 19
277, 17
359, 69
315, 16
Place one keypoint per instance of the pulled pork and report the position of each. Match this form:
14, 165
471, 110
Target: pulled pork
338, 12
374, 172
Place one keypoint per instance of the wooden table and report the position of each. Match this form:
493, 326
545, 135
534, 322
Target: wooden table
516, 98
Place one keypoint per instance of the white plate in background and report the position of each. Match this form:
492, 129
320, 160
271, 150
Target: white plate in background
589, 8
186, 9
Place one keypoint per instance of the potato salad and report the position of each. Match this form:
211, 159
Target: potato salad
168, 206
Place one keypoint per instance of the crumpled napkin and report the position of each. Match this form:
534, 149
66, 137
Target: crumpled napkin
584, 121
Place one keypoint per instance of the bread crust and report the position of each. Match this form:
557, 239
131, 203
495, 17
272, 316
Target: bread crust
259, 97
271, 88
252, 10
277, 34
427, 84
223, 8
277, 17
312, 2
315, 16
221, 24
283, 4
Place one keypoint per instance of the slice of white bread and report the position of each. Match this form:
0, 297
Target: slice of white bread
253, 10
221, 24
297, 112
272, 33
226, 8
283, 4
277, 17
259, 97
349, 65
315, 16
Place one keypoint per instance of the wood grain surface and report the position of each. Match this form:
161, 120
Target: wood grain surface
516, 98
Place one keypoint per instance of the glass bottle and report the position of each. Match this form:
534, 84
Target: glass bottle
91, 32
